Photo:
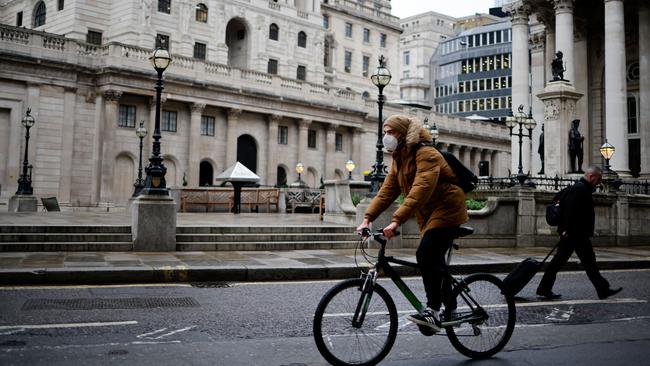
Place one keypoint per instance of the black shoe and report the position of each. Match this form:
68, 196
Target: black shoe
609, 292
428, 318
549, 295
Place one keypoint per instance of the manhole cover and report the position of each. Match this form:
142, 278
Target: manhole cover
118, 303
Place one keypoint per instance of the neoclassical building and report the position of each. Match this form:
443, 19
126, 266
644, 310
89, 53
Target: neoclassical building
266, 83
606, 56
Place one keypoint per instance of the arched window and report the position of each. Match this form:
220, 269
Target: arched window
274, 32
39, 14
302, 39
201, 13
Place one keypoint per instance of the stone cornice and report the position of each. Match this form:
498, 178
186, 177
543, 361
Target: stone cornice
563, 6
519, 13
197, 107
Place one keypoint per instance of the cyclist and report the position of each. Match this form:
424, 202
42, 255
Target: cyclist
425, 179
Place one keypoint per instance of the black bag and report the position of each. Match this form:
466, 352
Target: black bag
554, 209
516, 280
467, 180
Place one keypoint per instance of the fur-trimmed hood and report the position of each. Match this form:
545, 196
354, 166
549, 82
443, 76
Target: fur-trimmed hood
410, 129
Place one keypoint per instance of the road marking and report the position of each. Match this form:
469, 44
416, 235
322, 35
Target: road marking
67, 346
175, 331
560, 315
67, 325
151, 333
64, 287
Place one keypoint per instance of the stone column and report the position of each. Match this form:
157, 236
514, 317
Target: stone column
111, 103
67, 143
272, 150
538, 80
520, 85
231, 136
559, 98
356, 153
303, 127
330, 149
564, 35
644, 88
615, 85
193, 165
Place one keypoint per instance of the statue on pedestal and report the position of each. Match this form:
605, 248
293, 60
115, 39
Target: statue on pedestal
575, 147
557, 67
540, 150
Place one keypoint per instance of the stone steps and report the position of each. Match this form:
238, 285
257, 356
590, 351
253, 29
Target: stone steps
67, 247
250, 246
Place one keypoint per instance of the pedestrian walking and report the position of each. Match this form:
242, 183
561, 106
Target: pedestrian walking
431, 194
576, 228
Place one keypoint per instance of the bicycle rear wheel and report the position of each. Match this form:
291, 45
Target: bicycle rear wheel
342, 343
489, 316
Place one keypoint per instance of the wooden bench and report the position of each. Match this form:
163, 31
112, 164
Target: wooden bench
254, 198
310, 198
210, 198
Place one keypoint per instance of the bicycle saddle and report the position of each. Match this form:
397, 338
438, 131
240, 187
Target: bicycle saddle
464, 231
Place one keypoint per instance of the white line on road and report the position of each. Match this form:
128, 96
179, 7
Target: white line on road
151, 333
67, 325
175, 331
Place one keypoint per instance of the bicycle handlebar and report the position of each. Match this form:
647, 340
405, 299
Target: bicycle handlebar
366, 232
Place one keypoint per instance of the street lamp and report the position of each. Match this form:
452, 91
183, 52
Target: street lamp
607, 151
381, 77
141, 132
523, 120
433, 130
299, 183
155, 181
350, 165
25, 179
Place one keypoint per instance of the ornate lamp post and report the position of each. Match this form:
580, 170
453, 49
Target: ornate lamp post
141, 132
300, 168
25, 179
433, 130
381, 77
350, 165
155, 181
607, 151
523, 120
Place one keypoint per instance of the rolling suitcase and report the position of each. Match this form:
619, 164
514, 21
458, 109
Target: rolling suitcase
523, 273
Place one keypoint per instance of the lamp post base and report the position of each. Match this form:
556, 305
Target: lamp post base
153, 223
22, 203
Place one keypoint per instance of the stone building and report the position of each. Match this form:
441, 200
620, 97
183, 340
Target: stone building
606, 57
266, 83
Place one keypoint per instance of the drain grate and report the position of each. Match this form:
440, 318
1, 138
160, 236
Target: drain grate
115, 303
210, 285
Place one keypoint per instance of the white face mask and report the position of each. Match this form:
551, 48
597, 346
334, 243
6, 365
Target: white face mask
390, 142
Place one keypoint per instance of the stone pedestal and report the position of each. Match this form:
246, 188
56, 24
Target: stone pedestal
383, 220
22, 203
153, 224
526, 218
559, 99
338, 202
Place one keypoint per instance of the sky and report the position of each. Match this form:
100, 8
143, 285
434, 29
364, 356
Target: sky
455, 8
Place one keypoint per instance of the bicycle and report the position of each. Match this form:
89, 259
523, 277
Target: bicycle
355, 322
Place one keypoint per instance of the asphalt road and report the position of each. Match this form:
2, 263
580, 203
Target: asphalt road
270, 324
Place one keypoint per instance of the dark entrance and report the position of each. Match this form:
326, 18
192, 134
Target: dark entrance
282, 177
206, 174
247, 152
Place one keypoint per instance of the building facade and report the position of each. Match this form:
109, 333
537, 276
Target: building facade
249, 82
606, 59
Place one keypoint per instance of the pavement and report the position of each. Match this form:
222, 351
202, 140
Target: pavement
40, 268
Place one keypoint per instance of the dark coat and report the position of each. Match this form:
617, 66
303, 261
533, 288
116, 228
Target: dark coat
578, 215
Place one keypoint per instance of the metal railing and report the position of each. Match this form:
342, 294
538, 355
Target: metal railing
556, 183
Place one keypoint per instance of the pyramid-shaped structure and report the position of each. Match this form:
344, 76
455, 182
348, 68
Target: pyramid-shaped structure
238, 173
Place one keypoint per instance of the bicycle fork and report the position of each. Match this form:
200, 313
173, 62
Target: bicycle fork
366, 289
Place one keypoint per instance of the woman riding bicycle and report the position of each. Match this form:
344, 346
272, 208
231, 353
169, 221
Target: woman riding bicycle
425, 179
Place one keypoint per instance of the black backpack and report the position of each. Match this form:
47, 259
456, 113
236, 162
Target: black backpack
467, 180
554, 209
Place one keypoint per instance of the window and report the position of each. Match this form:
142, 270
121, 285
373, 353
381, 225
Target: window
162, 41
165, 6
60, 4
326, 21
39, 14
382, 40
302, 39
366, 65
19, 19
407, 57
632, 126
168, 122
338, 142
283, 135
126, 117
348, 61
93, 37
274, 32
301, 72
272, 67
498, 36
311, 139
201, 13
348, 30
207, 126
366, 35
199, 50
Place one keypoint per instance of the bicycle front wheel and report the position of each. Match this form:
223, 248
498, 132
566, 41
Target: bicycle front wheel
342, 342
488, 316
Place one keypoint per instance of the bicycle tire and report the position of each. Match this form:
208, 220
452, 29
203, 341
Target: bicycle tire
494, 332
342, 344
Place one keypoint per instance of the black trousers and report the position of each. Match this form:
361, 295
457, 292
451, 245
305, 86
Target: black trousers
432, 263
583, 248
